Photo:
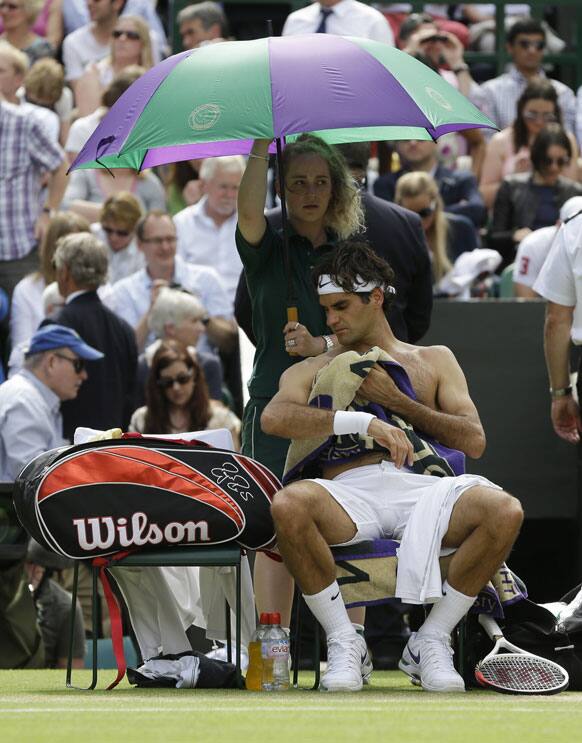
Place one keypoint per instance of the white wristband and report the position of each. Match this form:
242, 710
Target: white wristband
348, 421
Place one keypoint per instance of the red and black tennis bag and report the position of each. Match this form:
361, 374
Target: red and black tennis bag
117, 495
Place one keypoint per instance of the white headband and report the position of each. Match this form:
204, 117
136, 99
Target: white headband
325, 285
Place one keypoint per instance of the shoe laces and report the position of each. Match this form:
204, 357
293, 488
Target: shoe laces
438, 650
343, 654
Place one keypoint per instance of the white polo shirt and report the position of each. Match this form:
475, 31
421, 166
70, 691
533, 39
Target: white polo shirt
531, 254
560, 279
349, 18
202, 242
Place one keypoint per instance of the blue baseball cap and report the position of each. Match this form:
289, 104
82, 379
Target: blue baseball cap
58, 336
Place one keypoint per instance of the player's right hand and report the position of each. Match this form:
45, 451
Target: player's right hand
393, 439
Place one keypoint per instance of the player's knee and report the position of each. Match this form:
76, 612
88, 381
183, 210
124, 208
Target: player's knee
509, 516
289, 509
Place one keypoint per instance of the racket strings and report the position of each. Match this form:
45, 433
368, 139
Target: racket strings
523, 673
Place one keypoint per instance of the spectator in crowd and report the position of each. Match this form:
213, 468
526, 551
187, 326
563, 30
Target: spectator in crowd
202, 23
340, 17
458, 189
87, 190
27, 310
534, 249
440, 49
206, 230
528, 201
106, 401
180, 316
30, 418
526, 42
48, 23
448, 235
134, 296
30, 160
18, 17
508, 151
82, 128
44, 86
183, 185
177, 397
130, 45
398, 13
579, 115
116, 230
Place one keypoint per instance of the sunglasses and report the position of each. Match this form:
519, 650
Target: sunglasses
9, 6
525, 44
537, 115
131, 35
120, 233
561, 162
78, 364
167, 382
427, 211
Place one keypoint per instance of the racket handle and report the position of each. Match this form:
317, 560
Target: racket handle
292, 316
490, 626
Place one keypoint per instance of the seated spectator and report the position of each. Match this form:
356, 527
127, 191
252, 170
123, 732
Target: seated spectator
526, 44
87, 190
48, 23
44, 86
134, 296
508, 151
398, 13
177, 398
183, 185
30, 418
107, 399
340, 17
202, 23
18, 17
458, 189
534, 248
528, 201
130, 45
83, 128
27, 311
179, 315
116, 230
447, 235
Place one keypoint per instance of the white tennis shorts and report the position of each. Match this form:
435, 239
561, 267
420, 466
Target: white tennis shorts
380, 498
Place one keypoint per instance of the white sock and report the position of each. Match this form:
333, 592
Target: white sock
329, 609
447, 613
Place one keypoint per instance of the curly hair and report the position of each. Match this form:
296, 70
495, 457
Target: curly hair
353, 261
157, 418
344, 214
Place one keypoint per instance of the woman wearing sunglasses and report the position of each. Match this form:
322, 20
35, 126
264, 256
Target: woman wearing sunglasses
508, 151
528, 201
116, 229
447, 235
18, 18
177, 397
130, 45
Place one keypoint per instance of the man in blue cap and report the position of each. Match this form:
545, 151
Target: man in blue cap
30, 417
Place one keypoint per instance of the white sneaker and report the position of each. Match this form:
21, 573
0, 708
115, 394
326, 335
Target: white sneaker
348, 664
221, 653
428, 660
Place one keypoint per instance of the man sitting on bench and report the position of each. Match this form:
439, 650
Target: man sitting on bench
387, 430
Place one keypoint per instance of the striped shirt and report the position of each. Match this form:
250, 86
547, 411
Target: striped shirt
26, 153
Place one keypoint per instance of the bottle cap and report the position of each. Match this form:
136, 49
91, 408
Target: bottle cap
275, 617
265, 618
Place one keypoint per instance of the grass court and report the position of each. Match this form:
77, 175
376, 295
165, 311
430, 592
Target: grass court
35, 707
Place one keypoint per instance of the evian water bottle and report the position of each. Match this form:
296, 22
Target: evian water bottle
275, 647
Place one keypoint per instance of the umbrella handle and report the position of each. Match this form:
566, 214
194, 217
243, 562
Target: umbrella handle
292, 316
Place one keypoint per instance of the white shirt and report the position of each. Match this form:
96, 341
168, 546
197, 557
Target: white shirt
79, 48
82, 129
26, 309
130, 298
120, 263
531, 254
30, 422
349, 18
202, 242
560, 279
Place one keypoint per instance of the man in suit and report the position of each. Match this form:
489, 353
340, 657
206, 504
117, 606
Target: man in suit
396, 235
106, 400
458, 188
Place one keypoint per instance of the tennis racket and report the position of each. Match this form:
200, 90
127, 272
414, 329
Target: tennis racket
515, 671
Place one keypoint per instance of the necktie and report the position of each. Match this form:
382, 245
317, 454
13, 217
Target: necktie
325, 14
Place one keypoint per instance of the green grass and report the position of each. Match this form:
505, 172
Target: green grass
35, 706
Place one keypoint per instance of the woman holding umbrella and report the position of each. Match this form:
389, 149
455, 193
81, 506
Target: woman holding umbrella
323, 206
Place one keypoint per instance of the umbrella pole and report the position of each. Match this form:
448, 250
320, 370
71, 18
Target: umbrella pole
292, 314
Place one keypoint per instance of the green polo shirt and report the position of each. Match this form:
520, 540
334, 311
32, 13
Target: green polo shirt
267, 284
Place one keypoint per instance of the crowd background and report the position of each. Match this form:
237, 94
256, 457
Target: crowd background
153, 279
